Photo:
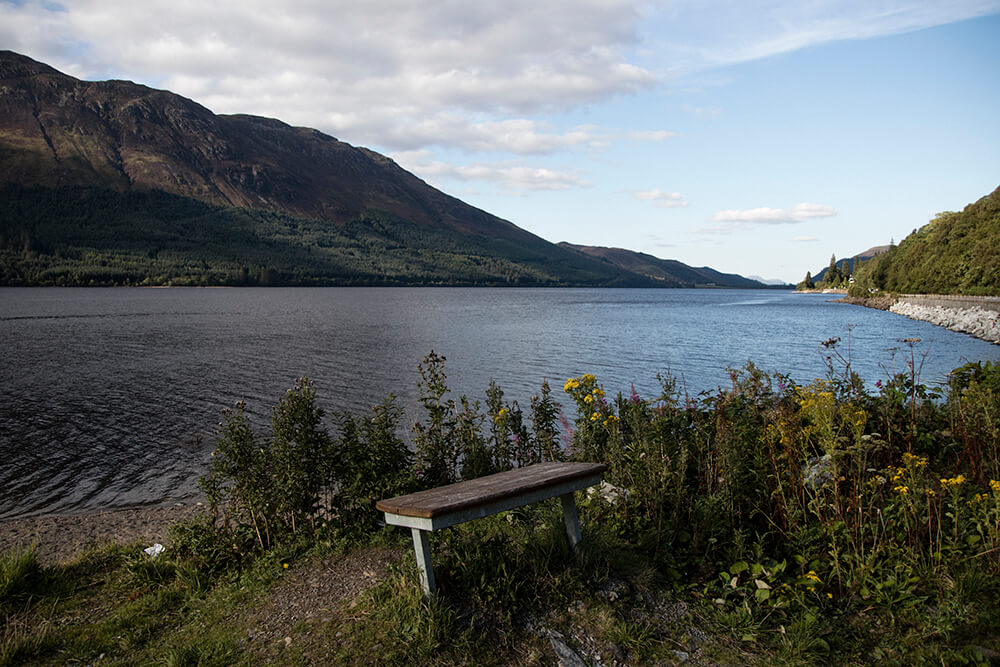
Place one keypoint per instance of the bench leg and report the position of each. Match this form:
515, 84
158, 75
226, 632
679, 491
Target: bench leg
571, 519
422, 549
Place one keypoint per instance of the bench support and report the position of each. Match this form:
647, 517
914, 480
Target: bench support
426, 511
571, 519
422, 549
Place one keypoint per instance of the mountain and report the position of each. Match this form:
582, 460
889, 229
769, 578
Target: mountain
770, 282
666, 272
112, 182
955, 253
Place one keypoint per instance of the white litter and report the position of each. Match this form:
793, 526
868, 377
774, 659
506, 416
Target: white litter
154, 550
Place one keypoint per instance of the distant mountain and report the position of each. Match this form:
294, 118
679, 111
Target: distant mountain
770, 282
666, 272
955, 253
111, 182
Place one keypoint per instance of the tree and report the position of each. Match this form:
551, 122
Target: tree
833, 276
808, 282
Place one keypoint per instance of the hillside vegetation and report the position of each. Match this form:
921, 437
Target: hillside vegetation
82, 236
955, 253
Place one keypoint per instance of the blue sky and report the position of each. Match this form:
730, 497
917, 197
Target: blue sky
753, 137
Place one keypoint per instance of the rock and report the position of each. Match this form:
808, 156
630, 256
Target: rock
975, 321
612, 589
567, 656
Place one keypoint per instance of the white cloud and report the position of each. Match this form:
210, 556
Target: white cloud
742, 220
394, 73
700, 34
776, 216
805, 239
516, 178
651, 135
661, 199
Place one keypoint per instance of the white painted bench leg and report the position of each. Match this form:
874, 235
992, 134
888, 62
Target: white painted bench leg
422, 549
571, 519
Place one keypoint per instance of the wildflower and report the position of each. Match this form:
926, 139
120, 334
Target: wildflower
995, 485
588, 399
878, 384
829, 596
594, 417
571, 384
931, 493
902, 490
914, 461
501, 413
284, 565
978, 498
953, 482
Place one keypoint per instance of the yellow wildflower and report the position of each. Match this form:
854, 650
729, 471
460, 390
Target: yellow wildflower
594, 417
902, 490
953, 481
978, 498
914, 461
995, 485
571, 384
588, 399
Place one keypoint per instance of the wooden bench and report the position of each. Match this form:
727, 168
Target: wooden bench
445, 506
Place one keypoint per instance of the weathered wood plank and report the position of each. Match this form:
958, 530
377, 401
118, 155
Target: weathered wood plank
487, 490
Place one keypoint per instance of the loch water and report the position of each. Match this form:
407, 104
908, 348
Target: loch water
111, 397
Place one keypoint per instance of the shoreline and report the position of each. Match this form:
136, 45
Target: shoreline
976, 316
61, 537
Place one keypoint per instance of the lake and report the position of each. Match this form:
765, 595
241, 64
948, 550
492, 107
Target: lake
110, 397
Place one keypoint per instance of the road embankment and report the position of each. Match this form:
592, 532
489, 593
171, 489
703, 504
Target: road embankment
977, 316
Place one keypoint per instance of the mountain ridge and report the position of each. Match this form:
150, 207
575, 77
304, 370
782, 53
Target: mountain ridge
258, 177
670, 272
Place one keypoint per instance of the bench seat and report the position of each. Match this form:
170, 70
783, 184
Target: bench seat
445, 506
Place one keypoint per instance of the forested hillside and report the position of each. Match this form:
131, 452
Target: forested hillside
665, 272
94, 236
955, 253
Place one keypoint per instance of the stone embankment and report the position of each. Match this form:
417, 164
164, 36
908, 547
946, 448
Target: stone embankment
977, 316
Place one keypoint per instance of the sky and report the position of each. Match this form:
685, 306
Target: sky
755, 137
